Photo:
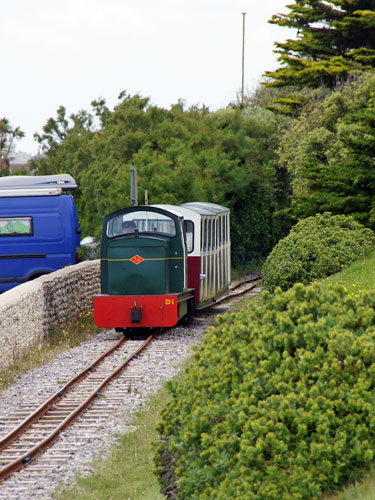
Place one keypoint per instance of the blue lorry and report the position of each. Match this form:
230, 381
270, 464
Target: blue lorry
39, 230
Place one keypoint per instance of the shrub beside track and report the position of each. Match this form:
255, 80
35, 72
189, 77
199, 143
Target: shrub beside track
316, 247
279, 403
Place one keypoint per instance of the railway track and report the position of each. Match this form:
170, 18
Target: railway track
109, 415
40, 427
84, 403
240, 289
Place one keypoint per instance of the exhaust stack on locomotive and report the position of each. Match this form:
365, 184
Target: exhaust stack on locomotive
161, 262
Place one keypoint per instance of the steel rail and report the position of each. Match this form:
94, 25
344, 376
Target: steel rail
231, 295
245, 282
39, 412
25, 458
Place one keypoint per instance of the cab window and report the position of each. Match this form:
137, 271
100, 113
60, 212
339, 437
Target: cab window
143, 222
189, 235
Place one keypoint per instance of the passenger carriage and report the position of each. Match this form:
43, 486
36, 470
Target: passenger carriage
161, 262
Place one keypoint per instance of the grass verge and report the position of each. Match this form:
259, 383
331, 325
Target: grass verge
359, 275
59, 339
128, 472
361, 490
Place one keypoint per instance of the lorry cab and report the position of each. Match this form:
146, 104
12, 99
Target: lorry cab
39, 230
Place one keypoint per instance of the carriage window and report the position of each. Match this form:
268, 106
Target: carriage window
204, 235
143, 222
16, 226
189, 235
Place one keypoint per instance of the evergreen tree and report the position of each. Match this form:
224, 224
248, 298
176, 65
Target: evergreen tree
329, 152
334, 39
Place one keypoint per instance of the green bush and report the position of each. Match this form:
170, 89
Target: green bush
278, 403
316, 247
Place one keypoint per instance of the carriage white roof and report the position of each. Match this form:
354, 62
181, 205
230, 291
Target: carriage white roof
200, 208
205, 208
184, 212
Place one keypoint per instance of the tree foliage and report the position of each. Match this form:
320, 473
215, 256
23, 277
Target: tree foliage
225, 157
330, 150
334, 39
7, 136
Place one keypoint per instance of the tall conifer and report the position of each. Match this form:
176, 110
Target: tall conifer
334, 39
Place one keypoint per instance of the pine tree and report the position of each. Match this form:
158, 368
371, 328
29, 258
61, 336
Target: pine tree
334, 39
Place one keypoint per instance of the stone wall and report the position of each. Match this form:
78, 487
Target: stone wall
28, 311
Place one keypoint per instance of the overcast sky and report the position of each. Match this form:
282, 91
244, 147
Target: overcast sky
69, 52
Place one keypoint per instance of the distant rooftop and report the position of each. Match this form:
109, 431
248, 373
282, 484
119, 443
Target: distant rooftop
19, 158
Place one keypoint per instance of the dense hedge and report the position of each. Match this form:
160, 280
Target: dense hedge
279, 402
316, 247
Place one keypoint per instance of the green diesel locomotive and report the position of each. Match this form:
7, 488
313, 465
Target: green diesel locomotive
159, 263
